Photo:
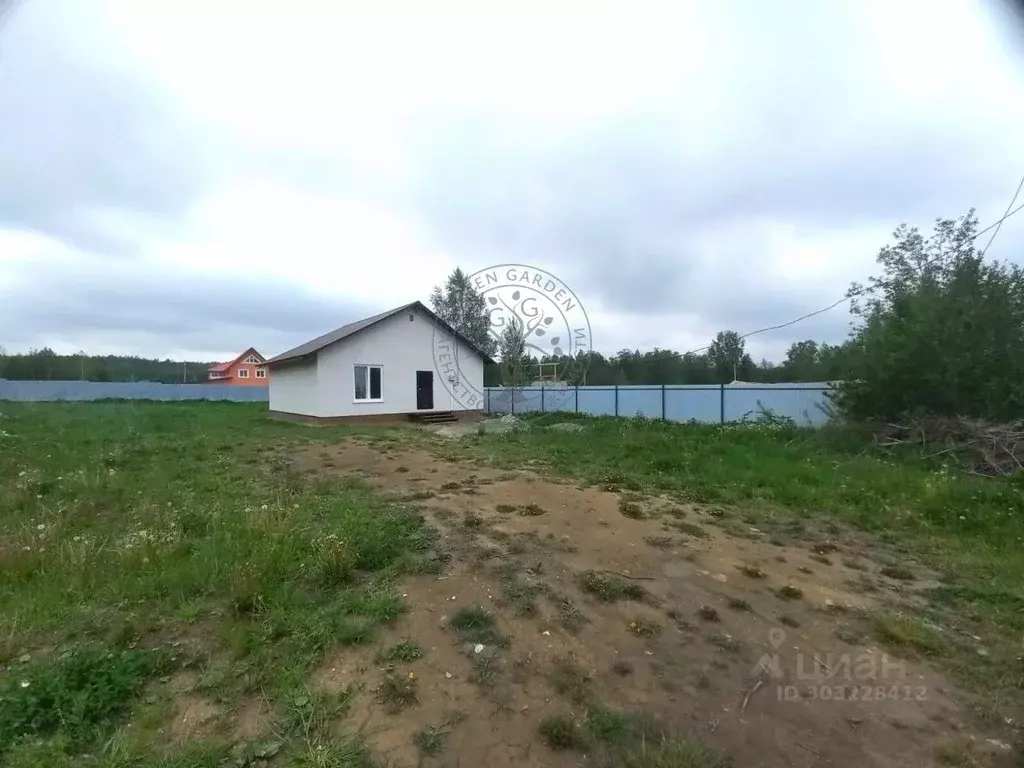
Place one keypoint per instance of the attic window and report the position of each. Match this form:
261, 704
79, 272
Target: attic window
411, 315
252, 360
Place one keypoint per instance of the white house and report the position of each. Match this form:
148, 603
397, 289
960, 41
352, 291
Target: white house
403, 361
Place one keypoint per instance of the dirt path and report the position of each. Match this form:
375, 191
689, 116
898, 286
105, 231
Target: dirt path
758, 642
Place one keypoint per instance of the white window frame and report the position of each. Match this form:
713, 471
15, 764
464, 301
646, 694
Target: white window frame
252, 360
243, 373
367, 399
261, 373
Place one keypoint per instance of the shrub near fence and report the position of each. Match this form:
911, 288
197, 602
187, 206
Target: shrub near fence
50, 391
805, 403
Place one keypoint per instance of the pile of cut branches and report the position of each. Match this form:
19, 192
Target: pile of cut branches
976, 446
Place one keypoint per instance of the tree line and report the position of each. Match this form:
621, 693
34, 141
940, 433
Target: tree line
940, 332
46, 365
805, 361
459, 304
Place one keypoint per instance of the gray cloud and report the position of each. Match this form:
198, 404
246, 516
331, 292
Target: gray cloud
636, 212
623, 218
80, 139
124, 305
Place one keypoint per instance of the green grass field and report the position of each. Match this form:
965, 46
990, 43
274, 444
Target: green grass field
141, 539
126, 524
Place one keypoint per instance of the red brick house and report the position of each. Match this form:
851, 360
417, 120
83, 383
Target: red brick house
247, 370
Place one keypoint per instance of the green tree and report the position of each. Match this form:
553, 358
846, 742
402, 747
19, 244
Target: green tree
940, 331
517, 366
460, 305
801, 361
728, 358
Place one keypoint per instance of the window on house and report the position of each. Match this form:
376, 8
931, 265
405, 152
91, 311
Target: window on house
367, 382
253, 360
261, 373
243, 373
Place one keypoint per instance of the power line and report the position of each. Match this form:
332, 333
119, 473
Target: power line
853, 294
999, 223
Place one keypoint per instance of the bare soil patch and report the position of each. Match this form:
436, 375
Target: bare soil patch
760, 643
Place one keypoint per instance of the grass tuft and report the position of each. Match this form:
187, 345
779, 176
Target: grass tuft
570, 679
659, 542
531, 510
909, 635
631, 509
609, 588
789, 592
690, 529
398, 692
644, 628
898, 572
337, 753
475, 625
431, 741
561, 733
404, 651
708, 613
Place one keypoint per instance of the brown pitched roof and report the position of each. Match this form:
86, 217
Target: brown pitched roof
219, 367
311, 347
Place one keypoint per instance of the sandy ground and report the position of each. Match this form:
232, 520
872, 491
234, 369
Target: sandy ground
757, 642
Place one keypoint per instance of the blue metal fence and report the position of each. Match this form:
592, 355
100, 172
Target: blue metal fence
805, 403
47, 391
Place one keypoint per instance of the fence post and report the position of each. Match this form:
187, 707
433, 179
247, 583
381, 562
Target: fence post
662, 402
616, 399
542, 398
487, 398
577, 398
721, 403
512, 398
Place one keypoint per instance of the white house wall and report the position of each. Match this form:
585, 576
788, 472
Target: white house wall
401, 347
293, 388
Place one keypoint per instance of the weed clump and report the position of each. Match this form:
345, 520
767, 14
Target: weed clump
405, 651
531, 510
909, 634
431, 740
475, 625
644, 628
658, 542
560, 733
570, 679
609, 588
631, 509
79, 696
569, 614
708, 613
789, 592
898, 572
690, 529
397, 693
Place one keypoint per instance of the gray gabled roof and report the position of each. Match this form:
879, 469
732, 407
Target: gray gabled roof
311, 347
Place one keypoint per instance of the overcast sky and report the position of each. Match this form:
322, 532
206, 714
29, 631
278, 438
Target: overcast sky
191, 178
